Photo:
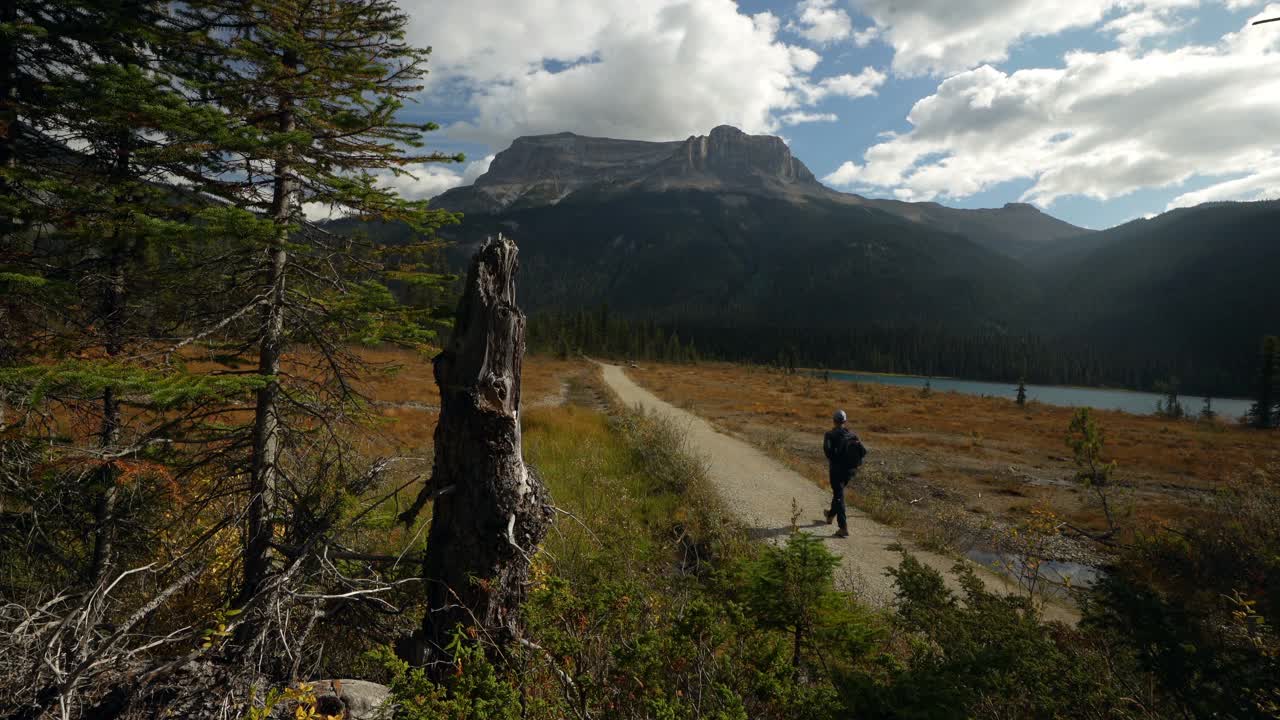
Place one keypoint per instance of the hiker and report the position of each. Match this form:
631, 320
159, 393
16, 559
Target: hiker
844, 453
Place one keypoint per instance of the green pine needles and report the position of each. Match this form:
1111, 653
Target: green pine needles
166, 280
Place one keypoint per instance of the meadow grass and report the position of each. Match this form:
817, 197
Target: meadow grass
629, 493
971, 448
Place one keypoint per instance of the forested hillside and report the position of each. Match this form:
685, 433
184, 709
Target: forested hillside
1184, 296
728, 241
728, 260
1194, 282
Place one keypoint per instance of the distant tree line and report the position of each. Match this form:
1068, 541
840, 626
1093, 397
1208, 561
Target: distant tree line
992, 356
600, 333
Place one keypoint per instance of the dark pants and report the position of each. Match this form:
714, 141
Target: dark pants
839, 479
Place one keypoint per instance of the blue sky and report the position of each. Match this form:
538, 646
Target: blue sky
1097, 111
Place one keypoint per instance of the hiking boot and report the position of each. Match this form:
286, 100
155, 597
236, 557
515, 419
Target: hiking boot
828, 515
842, 533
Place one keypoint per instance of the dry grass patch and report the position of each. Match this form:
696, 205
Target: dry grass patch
967, 444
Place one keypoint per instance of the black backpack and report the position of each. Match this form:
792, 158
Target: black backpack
853, 452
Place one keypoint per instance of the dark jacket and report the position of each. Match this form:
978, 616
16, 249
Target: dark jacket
832, 442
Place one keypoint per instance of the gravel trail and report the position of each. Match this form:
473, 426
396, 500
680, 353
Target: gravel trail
761, 490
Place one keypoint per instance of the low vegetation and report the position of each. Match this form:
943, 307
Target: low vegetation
650, 604
988, 458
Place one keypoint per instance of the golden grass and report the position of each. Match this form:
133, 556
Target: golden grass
398, 382
965, 443
404, 392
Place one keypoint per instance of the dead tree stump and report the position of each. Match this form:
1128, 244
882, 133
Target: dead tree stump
490, 512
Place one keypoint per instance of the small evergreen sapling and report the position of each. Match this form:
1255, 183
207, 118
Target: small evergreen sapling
1170, 407
1207, 413
790, 588
1085, 438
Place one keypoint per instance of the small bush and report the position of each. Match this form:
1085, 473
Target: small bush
475, 691
983, 655
1198, 606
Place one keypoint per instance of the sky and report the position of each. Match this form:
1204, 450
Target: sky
1095, 111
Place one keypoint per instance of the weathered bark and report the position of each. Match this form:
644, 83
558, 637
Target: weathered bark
112, 312
263, 470
493, 512
104, 511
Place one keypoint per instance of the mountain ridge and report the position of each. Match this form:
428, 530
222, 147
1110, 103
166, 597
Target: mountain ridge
730, 234
542, 170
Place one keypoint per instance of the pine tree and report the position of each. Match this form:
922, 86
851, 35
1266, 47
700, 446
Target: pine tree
673, 351
312, 93
789, 588
1086, 439
1266, 406
1207, 413
90, 236
1170, 407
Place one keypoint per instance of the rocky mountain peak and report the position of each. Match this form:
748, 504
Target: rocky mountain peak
544, 169
728, 155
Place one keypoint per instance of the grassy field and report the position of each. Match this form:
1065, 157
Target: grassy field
942, 464
936, 455
405, 395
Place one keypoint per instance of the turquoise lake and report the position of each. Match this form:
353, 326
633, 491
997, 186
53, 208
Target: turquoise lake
1137, 403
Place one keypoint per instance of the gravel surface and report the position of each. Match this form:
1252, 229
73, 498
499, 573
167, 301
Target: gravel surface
762, 492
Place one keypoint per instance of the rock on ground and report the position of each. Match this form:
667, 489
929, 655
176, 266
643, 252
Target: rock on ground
362, 699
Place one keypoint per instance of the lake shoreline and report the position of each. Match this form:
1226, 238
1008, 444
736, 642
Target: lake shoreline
1132, 402
1014, 384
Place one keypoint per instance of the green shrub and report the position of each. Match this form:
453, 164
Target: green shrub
986, 655
475, 691
790, 588
1197, 607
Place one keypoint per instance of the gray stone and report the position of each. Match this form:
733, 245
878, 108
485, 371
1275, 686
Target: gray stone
362, 699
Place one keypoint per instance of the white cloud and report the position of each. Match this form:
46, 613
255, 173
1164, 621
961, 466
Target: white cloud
854, 86
822, 23
819, 21
427, 181
844, 176
475, 169
1262, 185
864, 84
420, 183
943, 37
657, 69
1133, 28
798, 117
1102, 125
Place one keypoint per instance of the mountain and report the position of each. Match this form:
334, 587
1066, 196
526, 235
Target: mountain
722, 258
731, 235
546, 170
1201, 281
1017, 229
725, 226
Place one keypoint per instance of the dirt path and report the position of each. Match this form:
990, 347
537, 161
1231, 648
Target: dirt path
761, 491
